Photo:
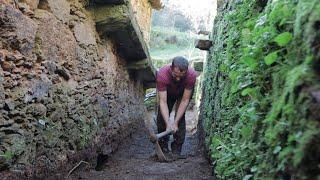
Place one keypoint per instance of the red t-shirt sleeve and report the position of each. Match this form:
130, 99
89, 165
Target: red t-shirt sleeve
191, 81
161, 83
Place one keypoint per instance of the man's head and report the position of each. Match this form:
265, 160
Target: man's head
179, 68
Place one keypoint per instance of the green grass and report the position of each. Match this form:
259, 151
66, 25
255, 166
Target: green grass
183, 46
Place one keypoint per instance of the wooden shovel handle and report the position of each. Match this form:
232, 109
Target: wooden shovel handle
164, 133
156, 137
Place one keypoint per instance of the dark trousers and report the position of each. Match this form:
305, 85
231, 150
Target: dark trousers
179, 136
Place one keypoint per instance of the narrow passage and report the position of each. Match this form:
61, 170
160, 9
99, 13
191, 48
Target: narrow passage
133, 161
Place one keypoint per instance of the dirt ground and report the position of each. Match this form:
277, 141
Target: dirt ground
133, 159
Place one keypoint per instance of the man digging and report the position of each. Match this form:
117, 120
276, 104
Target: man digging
175, 84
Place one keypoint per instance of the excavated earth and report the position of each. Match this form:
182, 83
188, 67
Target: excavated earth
133, 160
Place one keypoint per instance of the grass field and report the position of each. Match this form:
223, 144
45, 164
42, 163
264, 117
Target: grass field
167, 43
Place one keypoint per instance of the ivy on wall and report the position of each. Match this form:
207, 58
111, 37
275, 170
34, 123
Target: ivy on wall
261, 100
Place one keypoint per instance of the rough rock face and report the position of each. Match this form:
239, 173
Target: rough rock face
65, 94
142, 9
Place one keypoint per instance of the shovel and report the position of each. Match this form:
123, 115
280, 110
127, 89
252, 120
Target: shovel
154, 139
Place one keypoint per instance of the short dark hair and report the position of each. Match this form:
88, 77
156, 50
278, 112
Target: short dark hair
180, 62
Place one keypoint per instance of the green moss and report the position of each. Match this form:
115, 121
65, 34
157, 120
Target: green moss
257, 85
37, 47
110, 17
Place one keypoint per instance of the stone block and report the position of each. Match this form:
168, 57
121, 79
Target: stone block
19, 31
57, 46
60, 8
119, 23
110, 18
33, 4
84, 34
203, 44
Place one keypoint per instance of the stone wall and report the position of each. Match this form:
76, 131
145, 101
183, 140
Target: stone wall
142, 10
65, 94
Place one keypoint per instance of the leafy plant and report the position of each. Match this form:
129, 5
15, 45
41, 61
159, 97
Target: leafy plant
256, 96
283, 39
7, 155
271, 58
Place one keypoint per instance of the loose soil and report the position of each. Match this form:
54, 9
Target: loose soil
133, 159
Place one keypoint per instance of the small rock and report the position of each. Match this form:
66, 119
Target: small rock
9, 105
18, 56
24, 72
38, 71
12, 76
57, 115
18, 77
6, 123
7, 65
55, 79
37, 109
6, 74
23, 7
4, 112
30, 76
19, 63
15, 113
29, 13
2, 56
28, 65
33, 4
75, 11
9, 83
30, 126
19, 120
10, 58
50, 66
17, 70
63, 72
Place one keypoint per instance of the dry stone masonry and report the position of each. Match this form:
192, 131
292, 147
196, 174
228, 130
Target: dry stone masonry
68, 90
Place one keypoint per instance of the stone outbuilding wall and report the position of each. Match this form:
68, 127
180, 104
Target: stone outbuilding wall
66, 93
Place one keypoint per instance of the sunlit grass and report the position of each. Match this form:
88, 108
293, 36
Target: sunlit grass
184, 45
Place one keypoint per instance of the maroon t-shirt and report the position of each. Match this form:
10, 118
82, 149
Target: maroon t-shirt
166, 83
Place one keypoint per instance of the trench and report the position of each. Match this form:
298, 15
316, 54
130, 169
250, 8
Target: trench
134, 158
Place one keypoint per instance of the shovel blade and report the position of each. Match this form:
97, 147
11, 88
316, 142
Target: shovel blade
161, 156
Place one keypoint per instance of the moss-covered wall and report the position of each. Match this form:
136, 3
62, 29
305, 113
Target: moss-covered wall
261, 96
66, 95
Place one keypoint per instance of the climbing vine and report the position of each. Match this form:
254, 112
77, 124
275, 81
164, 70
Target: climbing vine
261, 101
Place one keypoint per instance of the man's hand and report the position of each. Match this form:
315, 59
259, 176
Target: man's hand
169, 127
172, 127
175, 127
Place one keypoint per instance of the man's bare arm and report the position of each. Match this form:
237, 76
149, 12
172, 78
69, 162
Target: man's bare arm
164, 107
182, 107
